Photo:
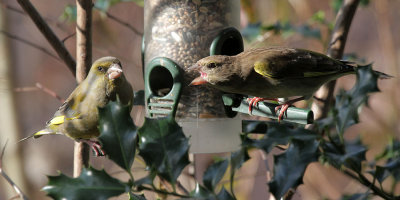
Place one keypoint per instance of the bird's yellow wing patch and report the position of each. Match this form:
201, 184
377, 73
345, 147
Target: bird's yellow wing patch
57, 120
262, 68
61, 119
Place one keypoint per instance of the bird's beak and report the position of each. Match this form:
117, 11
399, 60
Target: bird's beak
198, 81
194, 67
114, 71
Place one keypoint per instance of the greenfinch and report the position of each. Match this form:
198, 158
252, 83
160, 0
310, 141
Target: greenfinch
78, 116
271, 73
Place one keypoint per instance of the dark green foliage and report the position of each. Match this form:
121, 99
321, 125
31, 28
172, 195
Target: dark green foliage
289, 166
224, 195
92, 184
214, 174
348, 102
350, 155
279, 134
164, 147
118, 134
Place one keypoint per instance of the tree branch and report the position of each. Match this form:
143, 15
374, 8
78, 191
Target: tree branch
39, 86
116, 19
84, 61
40, 48
335, 50
57, 45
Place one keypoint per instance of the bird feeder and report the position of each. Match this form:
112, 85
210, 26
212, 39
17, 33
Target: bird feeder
176, 35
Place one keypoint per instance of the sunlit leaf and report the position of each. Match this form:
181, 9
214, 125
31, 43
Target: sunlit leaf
118, 134
91, 184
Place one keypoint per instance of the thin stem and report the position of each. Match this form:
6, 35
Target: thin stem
363, 180
142, 187
44, 28
8, 179
123, 23
29, 43
335, 50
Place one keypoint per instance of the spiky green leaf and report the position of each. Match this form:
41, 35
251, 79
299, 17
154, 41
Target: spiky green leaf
118, 134
91, 184
289, 166
164, 147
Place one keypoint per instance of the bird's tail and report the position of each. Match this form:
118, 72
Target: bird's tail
381, 75
38, 134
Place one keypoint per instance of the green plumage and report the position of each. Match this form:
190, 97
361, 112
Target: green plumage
78, 116
274, 72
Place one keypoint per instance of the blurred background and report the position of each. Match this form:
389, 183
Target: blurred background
373, 37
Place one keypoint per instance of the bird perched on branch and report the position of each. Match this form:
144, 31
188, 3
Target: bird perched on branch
271, 73
78, 116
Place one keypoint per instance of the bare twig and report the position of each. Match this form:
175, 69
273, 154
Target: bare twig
123, 23
19, 11
57, 45
39, 86
68, 36
84, 60
38, 47
8, 179
335, 50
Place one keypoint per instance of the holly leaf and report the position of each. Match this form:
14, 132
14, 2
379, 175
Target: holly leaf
380, 174
289, 166
136, 197
393, 167
348, 102
118, 134
91, 184
224, 195
350, 156
164, 147
237, 159
392, 150
279, 134
214, 174
201, 192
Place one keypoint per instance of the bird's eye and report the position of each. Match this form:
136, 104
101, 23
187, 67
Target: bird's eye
100, 68
211, 65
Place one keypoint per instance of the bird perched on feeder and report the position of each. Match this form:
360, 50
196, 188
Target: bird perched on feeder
78, 116
272, 73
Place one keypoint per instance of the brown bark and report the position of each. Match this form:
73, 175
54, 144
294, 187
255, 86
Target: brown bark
84, 60
336, 47
56, 43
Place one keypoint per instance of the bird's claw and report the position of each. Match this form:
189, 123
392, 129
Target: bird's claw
253, 102
282, 110
96, 148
